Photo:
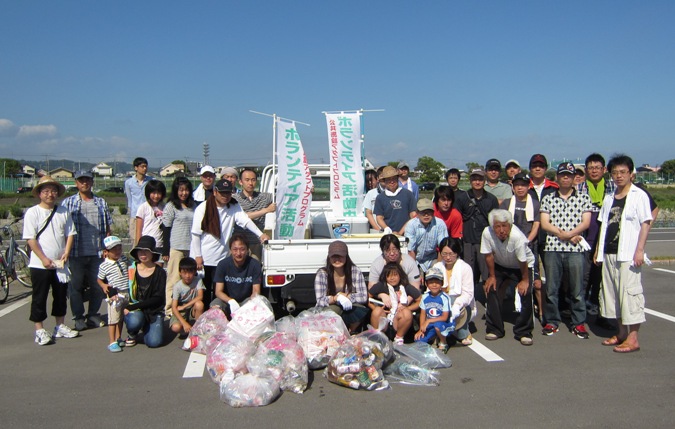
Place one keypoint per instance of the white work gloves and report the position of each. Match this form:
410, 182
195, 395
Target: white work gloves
345, 302
584, 244
455, 311
234, 305
387, 230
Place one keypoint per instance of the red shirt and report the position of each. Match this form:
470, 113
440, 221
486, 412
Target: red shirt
453, 221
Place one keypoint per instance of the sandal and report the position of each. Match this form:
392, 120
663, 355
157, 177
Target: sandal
444, 348
130, 342
467, 341
613, 341
626, 348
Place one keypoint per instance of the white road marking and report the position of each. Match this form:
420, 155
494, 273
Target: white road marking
664, 270
659, 314
14, 306
484, 352
195, 366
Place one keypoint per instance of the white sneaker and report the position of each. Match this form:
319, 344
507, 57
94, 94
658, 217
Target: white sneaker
398, 341
42, 337
62, 331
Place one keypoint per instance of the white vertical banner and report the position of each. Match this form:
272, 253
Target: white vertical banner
347, 185
294, 185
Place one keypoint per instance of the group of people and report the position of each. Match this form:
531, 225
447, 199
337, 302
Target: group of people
494, 242
181, 249
584, 234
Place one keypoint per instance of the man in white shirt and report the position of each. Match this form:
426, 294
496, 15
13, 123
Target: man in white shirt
625, 219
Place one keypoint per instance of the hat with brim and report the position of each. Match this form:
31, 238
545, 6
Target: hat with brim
338, 248
48, 180
461, 319
388, 172
146, 243
82, 173
425, 204
521, 178
477, 172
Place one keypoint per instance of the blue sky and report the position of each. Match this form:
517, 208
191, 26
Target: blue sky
460, 81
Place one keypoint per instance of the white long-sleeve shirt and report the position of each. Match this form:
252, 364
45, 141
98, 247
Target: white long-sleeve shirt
210, 248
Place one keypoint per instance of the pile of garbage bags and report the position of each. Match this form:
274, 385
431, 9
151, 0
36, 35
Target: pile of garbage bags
253, 359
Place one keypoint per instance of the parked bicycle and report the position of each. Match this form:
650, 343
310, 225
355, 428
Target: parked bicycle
14, 264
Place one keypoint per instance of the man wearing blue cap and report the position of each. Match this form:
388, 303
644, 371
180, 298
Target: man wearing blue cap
93, 223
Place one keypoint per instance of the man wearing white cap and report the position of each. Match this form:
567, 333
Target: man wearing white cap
405, 181
205, 189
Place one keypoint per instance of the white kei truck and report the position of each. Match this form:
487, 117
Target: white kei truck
289, 266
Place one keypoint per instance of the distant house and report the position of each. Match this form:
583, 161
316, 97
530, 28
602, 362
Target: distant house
646, 168
28, 170
61, 173
171, 170
102, 169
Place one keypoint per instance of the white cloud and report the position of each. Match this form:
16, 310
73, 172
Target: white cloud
7, 127
36, 132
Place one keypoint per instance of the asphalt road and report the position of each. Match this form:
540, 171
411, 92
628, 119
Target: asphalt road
560, 381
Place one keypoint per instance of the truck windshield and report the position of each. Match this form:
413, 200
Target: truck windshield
321, 188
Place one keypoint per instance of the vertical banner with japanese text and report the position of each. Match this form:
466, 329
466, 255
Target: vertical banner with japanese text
294, 185
346, 170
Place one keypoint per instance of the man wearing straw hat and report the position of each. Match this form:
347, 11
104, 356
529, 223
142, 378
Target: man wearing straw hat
49, 232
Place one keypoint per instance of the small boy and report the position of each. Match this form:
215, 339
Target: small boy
187, 300
436, 305
113, 278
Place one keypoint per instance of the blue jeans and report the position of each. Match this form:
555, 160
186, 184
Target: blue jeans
84, 268
153, 331
571, 263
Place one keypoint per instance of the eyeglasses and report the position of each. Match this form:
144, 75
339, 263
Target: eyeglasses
49, 191
391, 252
620, 172
448, 255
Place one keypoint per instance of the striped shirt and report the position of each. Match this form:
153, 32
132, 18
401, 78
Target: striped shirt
259, 201
115, 273
180, 222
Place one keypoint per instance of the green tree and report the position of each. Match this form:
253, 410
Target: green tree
471, 165
430, 169
393, 163
10, 166
668, 168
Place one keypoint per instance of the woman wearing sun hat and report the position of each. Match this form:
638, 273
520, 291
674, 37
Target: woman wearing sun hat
48, 230
146, 294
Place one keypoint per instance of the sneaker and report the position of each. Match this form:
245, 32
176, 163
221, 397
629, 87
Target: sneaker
121, 342
526, 341
95, 321
62, 331
130, 342
549, 329
80, 325
115, 347
42, 337
580, 332
398, 341
491, 337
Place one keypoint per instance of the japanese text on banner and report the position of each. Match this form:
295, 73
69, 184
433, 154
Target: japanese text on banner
346, 171
294, 186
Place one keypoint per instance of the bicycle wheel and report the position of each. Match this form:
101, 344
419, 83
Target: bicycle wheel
4, 286
21, 270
